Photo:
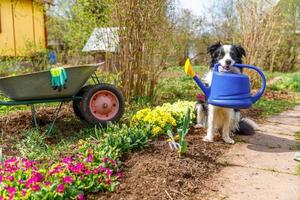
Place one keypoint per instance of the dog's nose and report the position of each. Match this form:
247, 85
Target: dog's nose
227, 62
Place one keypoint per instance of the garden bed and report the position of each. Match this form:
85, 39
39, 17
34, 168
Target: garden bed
158, 173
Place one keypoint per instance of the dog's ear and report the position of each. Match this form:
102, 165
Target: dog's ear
241, 51
211, 49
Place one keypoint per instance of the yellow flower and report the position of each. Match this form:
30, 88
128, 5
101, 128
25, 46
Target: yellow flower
156, 130
81, 142
163, 116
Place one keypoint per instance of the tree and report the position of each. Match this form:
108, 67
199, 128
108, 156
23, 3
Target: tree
145, 43
72, 22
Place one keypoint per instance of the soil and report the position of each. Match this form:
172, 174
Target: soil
277, 95
157, 172
13, 125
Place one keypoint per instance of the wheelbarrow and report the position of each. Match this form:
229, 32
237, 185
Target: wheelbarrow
97, 104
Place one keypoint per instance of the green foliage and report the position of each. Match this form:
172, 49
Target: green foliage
115, 140
111, 142
174, 84
182, 133
72, 23
33, 145
182, 145
289, 82
9, 66
272, 107
5, 109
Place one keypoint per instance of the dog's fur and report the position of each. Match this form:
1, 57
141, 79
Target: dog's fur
227, 120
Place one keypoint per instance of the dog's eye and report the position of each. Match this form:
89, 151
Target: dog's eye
222, 54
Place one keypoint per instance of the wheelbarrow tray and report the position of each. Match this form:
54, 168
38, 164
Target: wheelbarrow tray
37, 86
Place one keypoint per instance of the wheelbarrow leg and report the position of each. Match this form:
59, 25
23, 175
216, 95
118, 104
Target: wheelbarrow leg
95, 78
55, 117
33, 113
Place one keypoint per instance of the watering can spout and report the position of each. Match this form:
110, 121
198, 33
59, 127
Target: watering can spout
189, 71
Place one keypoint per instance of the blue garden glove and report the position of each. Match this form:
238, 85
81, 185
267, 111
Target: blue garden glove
58, 78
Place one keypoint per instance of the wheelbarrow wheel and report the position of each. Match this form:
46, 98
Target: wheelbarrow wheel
102, 103
77, 104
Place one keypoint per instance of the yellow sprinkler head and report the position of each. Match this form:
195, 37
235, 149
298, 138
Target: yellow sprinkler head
188, 68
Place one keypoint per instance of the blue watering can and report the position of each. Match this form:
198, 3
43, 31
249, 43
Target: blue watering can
228, 89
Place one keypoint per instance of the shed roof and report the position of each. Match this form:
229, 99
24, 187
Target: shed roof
103, 39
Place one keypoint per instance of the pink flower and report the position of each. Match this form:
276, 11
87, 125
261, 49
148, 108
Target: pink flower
67, 179
12, 160
35, 188
67, 160
80, 196
54, 171
23, 192
77, 168
108, 181
47, 183
96, 171
105, 160
11, 191
119, 175
108, 172
37, 177
112, 162
10, 178
61, 188
1, 178
90, 158
87, 172
29, 164
102, 169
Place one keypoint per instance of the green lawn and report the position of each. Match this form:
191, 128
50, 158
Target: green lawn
286, 81
273, 107
174, 84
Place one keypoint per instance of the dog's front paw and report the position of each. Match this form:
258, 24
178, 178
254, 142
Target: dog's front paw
207, 139
228, 140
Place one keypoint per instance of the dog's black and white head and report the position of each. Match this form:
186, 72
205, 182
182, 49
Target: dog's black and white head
226, 56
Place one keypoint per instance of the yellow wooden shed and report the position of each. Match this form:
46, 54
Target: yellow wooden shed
22, 27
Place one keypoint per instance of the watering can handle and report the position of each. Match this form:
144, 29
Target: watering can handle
255, 97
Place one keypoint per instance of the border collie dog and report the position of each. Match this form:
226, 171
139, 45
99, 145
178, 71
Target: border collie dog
215, 118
